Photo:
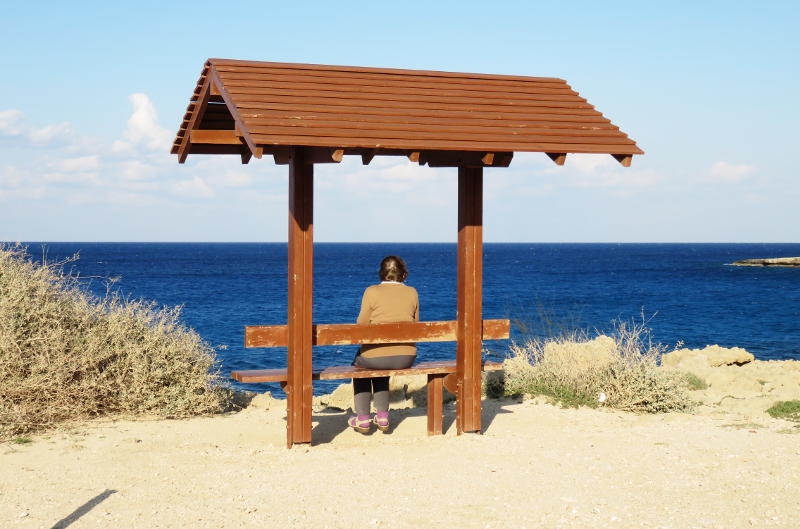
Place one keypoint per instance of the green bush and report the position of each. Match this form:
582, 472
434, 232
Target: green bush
492, 385
786, 409
694, 382
619, 371
66, 355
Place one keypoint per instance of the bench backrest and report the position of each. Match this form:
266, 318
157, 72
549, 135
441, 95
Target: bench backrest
351, 333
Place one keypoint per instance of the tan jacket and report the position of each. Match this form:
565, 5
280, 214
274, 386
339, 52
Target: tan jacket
388, 303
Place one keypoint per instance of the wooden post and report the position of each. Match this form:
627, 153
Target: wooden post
301, 260
470, 269
435, 402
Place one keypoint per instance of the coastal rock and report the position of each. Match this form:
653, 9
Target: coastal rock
736, 382
775, 261
733, 382
752, 388
340, 398
262, 401
710, 356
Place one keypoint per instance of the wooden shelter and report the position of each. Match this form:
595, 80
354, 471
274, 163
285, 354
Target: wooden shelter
302, 114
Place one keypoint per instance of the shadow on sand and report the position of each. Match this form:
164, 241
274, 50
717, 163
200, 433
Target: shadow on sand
83, 509
331, 422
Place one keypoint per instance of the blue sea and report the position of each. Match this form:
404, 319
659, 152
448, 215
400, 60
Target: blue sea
685, 292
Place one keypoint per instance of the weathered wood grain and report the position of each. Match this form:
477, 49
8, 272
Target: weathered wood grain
351, 333
219, 137
343, 372
470, 299
299, 389
435, 402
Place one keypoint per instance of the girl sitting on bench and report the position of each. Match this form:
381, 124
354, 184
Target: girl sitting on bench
388, 302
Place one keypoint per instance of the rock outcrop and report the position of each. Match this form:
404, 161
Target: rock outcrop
736, 381
710, 356
775, 261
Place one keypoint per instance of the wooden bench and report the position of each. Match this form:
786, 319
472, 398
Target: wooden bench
441, 374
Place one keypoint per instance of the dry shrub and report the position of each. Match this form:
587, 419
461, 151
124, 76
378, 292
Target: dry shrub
66, 355
575, 370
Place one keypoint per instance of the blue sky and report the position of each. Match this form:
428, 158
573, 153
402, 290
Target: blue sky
93, 92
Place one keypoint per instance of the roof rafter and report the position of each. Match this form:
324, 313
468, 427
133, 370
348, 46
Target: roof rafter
558, 157
197, 116
624, 159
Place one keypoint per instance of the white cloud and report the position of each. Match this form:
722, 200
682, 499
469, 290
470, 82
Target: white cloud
11, 177
137, 170
602, 171
82, 170
11, 122
225, 171
590, 163
391, 175
74, 165
122, 148
627, 179
143, 128
72, 178
28, 193
230, 178
195, 187
57, 132
727, 172
141, 186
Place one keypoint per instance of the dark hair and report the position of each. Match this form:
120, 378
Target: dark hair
393, 268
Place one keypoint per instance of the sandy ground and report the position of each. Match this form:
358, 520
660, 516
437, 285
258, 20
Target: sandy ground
535, 466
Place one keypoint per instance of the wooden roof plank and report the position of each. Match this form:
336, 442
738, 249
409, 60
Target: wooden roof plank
445, 145
332, 76
517, 135
256, 87
386, 72
342, 105
265, 125
348, 110
372, 120
327, 97
249, 79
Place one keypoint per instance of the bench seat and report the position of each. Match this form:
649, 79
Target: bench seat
440, 374
338, 372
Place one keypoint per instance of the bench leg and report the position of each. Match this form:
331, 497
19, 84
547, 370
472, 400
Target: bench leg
435, 397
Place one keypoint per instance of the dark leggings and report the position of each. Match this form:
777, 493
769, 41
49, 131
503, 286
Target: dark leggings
365, 388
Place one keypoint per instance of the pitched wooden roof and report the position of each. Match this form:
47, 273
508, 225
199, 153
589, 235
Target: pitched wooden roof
253, 108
